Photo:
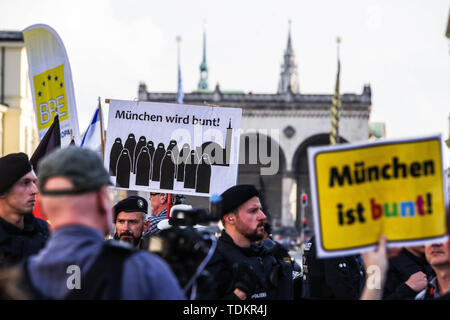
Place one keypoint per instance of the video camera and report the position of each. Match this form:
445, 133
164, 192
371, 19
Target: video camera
189, 243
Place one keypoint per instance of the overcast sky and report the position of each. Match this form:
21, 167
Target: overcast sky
398, 47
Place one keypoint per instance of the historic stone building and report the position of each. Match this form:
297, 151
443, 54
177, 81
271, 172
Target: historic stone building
287, 122
17, 118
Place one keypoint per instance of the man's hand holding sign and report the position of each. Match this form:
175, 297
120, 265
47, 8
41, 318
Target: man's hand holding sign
363, 191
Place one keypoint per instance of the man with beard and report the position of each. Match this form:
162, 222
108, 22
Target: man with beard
76, 262
21, 234
130, 220
240, 268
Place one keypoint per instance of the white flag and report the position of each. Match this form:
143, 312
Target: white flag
92, 137
51, 82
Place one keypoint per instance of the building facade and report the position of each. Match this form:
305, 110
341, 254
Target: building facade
18, 132
278, 128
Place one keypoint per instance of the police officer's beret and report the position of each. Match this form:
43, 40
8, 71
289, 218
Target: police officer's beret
233, 197
131, 204
13, 167
83, 167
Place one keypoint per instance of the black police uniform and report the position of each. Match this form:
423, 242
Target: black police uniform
16, 243
254, 270
339, 278
400, 269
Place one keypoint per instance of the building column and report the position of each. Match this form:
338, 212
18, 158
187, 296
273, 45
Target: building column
288, 200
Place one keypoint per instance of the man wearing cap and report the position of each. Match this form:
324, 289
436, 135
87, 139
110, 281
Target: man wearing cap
129, 218
77, 263
21, 234
240, 268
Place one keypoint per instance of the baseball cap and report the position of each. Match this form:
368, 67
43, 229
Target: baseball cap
83, 167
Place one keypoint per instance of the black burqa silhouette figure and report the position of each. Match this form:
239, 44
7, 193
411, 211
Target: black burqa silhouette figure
151, 148
203, 175
143, 167
141, 143
160, 152
130, 144
182, 157
190, 169
116, 149
123, 169
167, 171
174, 148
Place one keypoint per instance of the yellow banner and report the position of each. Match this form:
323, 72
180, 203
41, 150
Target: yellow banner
50, 94
392, 189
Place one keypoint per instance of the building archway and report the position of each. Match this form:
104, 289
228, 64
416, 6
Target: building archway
300, 169
255, 151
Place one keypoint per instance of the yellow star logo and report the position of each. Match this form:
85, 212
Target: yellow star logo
50, 94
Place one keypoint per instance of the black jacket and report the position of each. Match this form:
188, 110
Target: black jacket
340, 278
400, 269
270, 278
16, 243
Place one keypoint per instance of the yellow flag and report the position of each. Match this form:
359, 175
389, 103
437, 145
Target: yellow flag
50, 95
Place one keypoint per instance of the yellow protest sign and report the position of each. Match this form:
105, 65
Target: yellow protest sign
50, 95
391, 188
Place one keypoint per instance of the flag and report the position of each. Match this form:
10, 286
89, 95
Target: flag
51, 84
49, 143
180, 94
336, 106
92, 138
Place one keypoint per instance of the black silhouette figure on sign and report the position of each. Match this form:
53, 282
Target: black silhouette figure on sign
114, 156
174, 148
203, 175
151, 148
160, 152
130, 144
123, 169
141, 143
182, 158
143, 167
167, 171
190, 169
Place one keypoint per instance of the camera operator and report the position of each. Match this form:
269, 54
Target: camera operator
240, 268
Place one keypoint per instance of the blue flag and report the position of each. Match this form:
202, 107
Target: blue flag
180, 94
92, 138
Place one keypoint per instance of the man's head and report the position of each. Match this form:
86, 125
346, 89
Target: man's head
438, 254
17, 184
73, 184
158, 202
242, 214
129, 218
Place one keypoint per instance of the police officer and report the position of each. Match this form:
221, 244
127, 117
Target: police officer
339, 278
77, 263
130, 220
240, 268
21, 234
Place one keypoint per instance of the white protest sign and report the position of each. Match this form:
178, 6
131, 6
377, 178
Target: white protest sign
173, 148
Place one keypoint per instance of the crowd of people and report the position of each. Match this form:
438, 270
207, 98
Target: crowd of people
91, 248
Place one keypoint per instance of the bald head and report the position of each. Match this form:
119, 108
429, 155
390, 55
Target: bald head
92, 209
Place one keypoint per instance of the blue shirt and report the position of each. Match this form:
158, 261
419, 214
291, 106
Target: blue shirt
145, 275
154, 222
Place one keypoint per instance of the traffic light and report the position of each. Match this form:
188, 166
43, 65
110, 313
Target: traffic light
304, 200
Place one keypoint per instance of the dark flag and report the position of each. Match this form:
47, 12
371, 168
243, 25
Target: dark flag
336, 106
50, 142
